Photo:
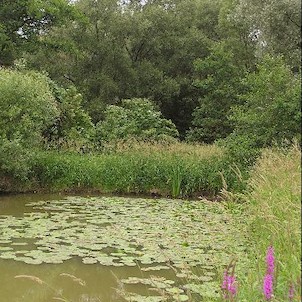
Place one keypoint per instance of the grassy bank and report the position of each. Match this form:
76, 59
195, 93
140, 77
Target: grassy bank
168, 170
274, 208
172, 170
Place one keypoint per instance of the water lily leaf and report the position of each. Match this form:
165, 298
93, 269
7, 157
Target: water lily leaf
155, 268
88, 260
181, 298
208, 290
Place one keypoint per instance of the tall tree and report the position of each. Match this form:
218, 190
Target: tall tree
23, 22
220, 83
275, 25
136, 49
271, 107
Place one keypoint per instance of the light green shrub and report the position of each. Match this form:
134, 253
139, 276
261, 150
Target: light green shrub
136, 118
27, 106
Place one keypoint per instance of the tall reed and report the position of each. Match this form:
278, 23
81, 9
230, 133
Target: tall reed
176, 170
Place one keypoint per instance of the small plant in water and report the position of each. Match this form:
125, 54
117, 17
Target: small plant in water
229, 283
58, 296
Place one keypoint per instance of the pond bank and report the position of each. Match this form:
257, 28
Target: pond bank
145, 172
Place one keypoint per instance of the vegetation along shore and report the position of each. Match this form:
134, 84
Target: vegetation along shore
175, 99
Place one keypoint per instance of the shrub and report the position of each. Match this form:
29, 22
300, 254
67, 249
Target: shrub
136, 118
27, 106
73, 128
14, 164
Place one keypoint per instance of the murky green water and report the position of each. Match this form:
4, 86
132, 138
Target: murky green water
103, 248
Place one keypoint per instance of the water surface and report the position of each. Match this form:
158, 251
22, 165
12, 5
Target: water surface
106, 248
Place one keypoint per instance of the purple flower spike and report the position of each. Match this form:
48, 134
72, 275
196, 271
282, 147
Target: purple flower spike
229, 286
291, 292
268, 286
270, 261
232, 285
225, 281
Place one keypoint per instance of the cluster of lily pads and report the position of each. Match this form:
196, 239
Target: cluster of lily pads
155, 235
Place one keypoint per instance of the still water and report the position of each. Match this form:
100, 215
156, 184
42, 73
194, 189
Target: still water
80, 248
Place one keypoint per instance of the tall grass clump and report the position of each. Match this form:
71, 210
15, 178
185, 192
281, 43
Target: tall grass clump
274, 206
175, 170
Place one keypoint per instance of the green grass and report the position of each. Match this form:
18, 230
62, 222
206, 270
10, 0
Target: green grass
274, 211
176, 170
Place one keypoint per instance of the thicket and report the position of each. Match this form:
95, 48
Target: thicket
136, 119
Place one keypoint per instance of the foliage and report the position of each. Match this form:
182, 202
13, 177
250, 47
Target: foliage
130, 51
27, 106
219, 82
73, 128
145, 168
136, 118
271, 110
23, 21
274, 26
235, 33
185, 55
14, 165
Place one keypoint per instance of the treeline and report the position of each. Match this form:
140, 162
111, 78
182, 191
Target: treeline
79, 75
202, 63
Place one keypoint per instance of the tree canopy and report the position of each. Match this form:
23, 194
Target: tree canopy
193, 59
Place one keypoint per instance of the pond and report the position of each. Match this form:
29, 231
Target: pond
75, 248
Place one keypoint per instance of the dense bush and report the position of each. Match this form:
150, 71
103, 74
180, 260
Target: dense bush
136, 118
73, 129
27, 106
14, 165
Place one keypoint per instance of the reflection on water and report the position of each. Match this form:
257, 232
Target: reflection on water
106, 242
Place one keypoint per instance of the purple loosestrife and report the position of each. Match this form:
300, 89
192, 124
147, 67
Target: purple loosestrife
270, 261
269, 277
291, 292
268, 287
229, 286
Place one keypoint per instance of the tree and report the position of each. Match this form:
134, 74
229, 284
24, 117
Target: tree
23, 23
135, 118
219, 83
73, 127
274, 25
271, 108
134, 50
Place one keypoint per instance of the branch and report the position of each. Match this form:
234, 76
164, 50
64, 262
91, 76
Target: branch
290, 18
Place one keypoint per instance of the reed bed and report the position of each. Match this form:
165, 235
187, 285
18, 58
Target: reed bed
175, 170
